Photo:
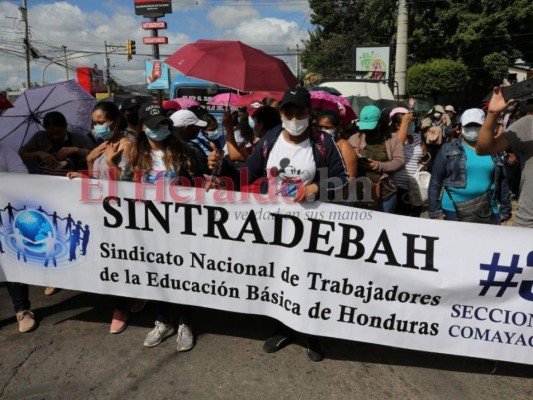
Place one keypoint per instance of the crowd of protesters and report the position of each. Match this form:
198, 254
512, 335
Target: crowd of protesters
479, 162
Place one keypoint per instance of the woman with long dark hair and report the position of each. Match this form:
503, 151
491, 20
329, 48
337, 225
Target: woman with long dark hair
159, 155
108, 161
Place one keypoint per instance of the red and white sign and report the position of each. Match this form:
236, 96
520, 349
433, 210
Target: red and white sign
91, 79
154, 25
155, 40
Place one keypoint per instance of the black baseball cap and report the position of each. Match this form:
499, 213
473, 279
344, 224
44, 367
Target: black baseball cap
129, 103
151, 115
300, 97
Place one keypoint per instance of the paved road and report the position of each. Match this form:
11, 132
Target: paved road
72, 356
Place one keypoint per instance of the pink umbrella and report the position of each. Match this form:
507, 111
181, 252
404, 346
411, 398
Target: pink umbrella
247, 99
225, 100
185, 102
322, 100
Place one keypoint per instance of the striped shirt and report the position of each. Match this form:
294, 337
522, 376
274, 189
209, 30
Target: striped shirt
413, 152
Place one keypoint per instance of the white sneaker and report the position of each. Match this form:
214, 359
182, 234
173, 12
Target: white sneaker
157, 334
185, 338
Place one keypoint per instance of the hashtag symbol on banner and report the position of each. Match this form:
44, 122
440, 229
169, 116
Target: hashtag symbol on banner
526, 287
493, 268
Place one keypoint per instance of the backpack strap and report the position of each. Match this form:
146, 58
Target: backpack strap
317, 138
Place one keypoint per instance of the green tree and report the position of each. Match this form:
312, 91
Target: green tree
341, 24
497, 66
468, 31
436, 78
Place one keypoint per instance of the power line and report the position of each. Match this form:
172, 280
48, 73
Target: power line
301, 26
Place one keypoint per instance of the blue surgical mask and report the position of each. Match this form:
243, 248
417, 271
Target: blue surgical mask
102, 132
212, 135
159, 134
251, 122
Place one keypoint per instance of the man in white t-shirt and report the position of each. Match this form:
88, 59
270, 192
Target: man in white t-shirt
292, 164
304, 162
296, 157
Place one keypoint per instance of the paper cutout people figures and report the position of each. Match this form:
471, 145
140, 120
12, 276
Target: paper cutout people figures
85, 239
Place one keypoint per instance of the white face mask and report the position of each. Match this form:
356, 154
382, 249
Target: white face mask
470, 133
330, 132
296, 127
251, 122
213, 135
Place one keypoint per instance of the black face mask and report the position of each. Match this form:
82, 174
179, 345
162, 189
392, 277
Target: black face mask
133, 119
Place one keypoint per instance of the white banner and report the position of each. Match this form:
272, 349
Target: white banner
323, 269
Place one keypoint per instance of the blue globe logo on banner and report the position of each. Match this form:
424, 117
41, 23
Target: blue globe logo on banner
42, 236
34, 227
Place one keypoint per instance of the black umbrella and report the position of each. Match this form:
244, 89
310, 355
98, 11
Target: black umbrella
128, 100
358, 102
518, 91
389, 104
328, 89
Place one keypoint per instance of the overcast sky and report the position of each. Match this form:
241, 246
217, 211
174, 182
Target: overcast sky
84, 25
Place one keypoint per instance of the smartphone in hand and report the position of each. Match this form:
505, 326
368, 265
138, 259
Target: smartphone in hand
518, 90
425, 158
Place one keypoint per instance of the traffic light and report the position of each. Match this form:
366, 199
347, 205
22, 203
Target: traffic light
130, 48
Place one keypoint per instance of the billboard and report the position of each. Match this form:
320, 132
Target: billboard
157, 75
91, 79
153, 8
374, 60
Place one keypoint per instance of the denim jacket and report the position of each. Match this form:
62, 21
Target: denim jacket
449, 170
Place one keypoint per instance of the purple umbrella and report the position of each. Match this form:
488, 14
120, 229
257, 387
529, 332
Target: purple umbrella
18, 124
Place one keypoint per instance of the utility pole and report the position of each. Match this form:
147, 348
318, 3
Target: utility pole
298, 66
297, 54
66, 60
107, 73
107, 63
24, 17
155, 53
400, 74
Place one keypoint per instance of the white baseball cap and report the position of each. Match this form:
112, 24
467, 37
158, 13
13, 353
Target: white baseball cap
450, 108
182, 118
473, 116
397, 110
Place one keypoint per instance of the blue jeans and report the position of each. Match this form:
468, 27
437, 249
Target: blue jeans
388, 204
19, 293
450, 215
